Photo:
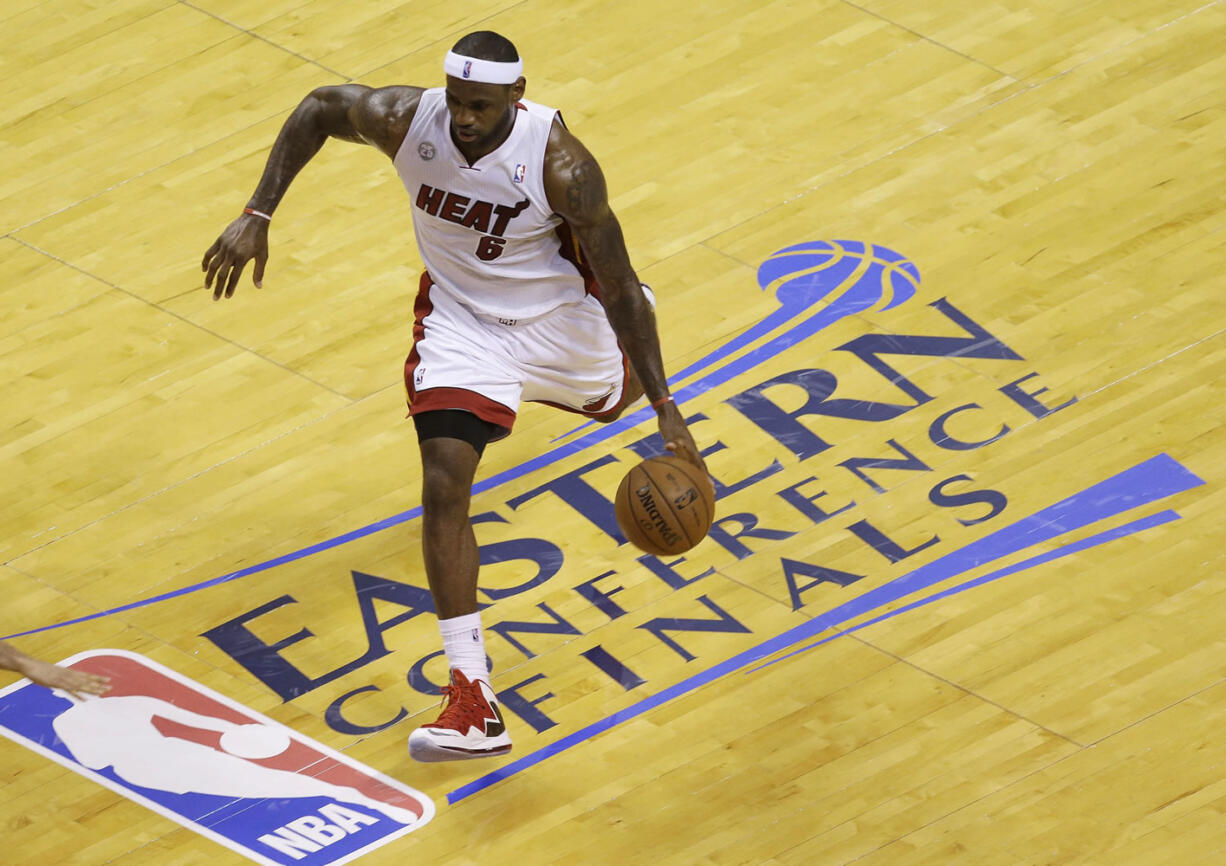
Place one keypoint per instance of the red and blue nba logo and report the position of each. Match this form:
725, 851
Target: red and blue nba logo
520, 171
213, 765
468, 68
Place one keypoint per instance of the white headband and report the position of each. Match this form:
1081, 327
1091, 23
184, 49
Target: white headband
482, 71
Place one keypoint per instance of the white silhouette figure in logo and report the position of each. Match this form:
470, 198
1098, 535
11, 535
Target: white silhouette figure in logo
118, 732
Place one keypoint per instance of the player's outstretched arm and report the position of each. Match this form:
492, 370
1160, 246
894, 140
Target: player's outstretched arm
353, 112
576, 189
76, 683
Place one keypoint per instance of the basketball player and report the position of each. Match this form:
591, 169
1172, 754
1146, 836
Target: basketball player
528, 294
76, 683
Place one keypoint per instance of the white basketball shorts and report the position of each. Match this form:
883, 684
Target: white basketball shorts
568, 358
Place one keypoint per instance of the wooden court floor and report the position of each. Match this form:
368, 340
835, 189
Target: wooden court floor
962, 605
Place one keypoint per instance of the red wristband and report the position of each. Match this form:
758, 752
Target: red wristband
658, 403
253, 212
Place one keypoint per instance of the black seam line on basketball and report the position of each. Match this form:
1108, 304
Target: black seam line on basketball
643, 541
157, 306
698, 483
859, 638
662, 499
623, 493
263, 39
681, 467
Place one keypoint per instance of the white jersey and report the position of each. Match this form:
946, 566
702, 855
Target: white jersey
486, 232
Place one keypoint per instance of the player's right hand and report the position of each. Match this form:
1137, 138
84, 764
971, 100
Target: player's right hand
243, 240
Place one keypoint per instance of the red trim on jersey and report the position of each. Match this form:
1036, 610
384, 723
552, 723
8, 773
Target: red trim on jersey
569, 249
422, 307
599, 414
470, 401
446, 398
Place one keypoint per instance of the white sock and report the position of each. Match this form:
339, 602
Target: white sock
464, 643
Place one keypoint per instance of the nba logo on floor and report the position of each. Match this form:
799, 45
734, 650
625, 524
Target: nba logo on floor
213, 765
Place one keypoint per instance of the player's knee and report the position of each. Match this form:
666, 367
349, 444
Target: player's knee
446, 482
443, 492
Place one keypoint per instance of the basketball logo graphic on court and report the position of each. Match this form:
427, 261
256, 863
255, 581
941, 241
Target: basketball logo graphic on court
850, 275
214, 766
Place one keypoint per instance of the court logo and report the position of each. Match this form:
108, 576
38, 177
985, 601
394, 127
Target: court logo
212, 765
849, 275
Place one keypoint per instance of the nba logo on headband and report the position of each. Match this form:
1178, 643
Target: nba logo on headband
482, 71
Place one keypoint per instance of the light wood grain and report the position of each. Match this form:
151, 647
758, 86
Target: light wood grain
1053, 169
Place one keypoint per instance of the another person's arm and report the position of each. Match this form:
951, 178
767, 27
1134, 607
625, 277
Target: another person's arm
353, 112
76, 683
576, 189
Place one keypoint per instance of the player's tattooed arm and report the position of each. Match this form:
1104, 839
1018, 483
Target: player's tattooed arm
352, 112
576, 189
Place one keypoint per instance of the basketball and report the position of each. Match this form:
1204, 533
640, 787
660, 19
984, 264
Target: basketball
665, 505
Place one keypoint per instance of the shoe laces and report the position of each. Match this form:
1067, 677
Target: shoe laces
462, 707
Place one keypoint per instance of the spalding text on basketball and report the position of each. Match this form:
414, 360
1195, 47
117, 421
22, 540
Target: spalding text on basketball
654, 518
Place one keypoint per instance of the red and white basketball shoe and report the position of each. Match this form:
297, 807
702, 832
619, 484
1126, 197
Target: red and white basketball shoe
470, 725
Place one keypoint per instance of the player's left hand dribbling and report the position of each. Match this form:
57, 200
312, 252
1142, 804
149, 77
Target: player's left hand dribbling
677, 438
